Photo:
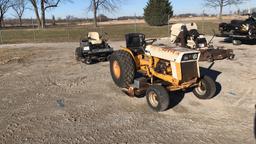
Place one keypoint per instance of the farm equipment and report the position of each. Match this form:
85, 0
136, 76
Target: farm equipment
240, 29
157, 71
94, 47
187, 35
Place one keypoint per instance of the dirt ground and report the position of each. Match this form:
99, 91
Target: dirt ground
48, 97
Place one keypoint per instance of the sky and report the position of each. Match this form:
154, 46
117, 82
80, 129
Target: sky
79, 8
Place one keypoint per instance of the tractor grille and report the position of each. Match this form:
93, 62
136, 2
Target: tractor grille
189, 71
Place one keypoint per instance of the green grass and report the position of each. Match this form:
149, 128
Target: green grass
74, 34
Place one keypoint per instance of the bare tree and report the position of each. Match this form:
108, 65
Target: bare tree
34, 3
4, 7
46, 4
222, 3
107, 5
43, 5
19, 7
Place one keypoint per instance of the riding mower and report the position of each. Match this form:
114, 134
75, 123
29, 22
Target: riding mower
94, 47
158, 71
240, 30
187, 35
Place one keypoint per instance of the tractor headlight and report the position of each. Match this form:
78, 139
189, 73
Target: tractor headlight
188, 57
87, 48
195, 56
185, 58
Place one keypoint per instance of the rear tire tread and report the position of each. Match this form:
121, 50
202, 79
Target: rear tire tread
127, 66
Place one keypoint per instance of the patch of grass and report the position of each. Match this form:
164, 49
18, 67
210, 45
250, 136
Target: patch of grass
208, 27
74, 34
18, 55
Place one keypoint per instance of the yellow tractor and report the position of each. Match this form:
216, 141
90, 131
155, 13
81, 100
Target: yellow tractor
157, 71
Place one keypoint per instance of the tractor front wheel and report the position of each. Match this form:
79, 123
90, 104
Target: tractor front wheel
206, 88
237, 42
158, 98
122, 68
88, 60
231, 57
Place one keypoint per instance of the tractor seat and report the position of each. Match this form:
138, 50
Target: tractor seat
94, 38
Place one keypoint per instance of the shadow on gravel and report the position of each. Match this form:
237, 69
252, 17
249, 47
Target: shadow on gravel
98, 61
93, 62
176, 98
243, 41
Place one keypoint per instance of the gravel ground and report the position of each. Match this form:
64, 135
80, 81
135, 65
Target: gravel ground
48, 97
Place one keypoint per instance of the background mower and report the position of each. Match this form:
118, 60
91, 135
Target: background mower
187, 35
157, 71
240, 30
94, 47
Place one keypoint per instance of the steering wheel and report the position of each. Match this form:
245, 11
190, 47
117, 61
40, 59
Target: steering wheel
150, 41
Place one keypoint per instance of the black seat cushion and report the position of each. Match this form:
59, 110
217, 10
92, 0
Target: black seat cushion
135, 41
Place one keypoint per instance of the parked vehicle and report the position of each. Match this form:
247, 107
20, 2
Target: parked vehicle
93, 48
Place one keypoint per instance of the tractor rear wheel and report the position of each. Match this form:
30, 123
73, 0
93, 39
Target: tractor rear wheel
122, 68
78, 54
206, 89
158, 98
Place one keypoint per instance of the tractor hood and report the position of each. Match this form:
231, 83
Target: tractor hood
173, 54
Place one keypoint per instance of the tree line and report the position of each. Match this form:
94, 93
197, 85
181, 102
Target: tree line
19, 7
156, 12
40, 8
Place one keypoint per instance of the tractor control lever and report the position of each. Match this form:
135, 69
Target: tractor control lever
214, 34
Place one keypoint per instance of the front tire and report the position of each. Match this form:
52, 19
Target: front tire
236, 42
231, 57
88, 60
207, 88
158, 98
122, 68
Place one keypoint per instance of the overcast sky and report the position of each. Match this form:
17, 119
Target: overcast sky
131, 7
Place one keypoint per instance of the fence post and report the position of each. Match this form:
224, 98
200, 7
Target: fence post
135, 23
33, 27
67, 20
